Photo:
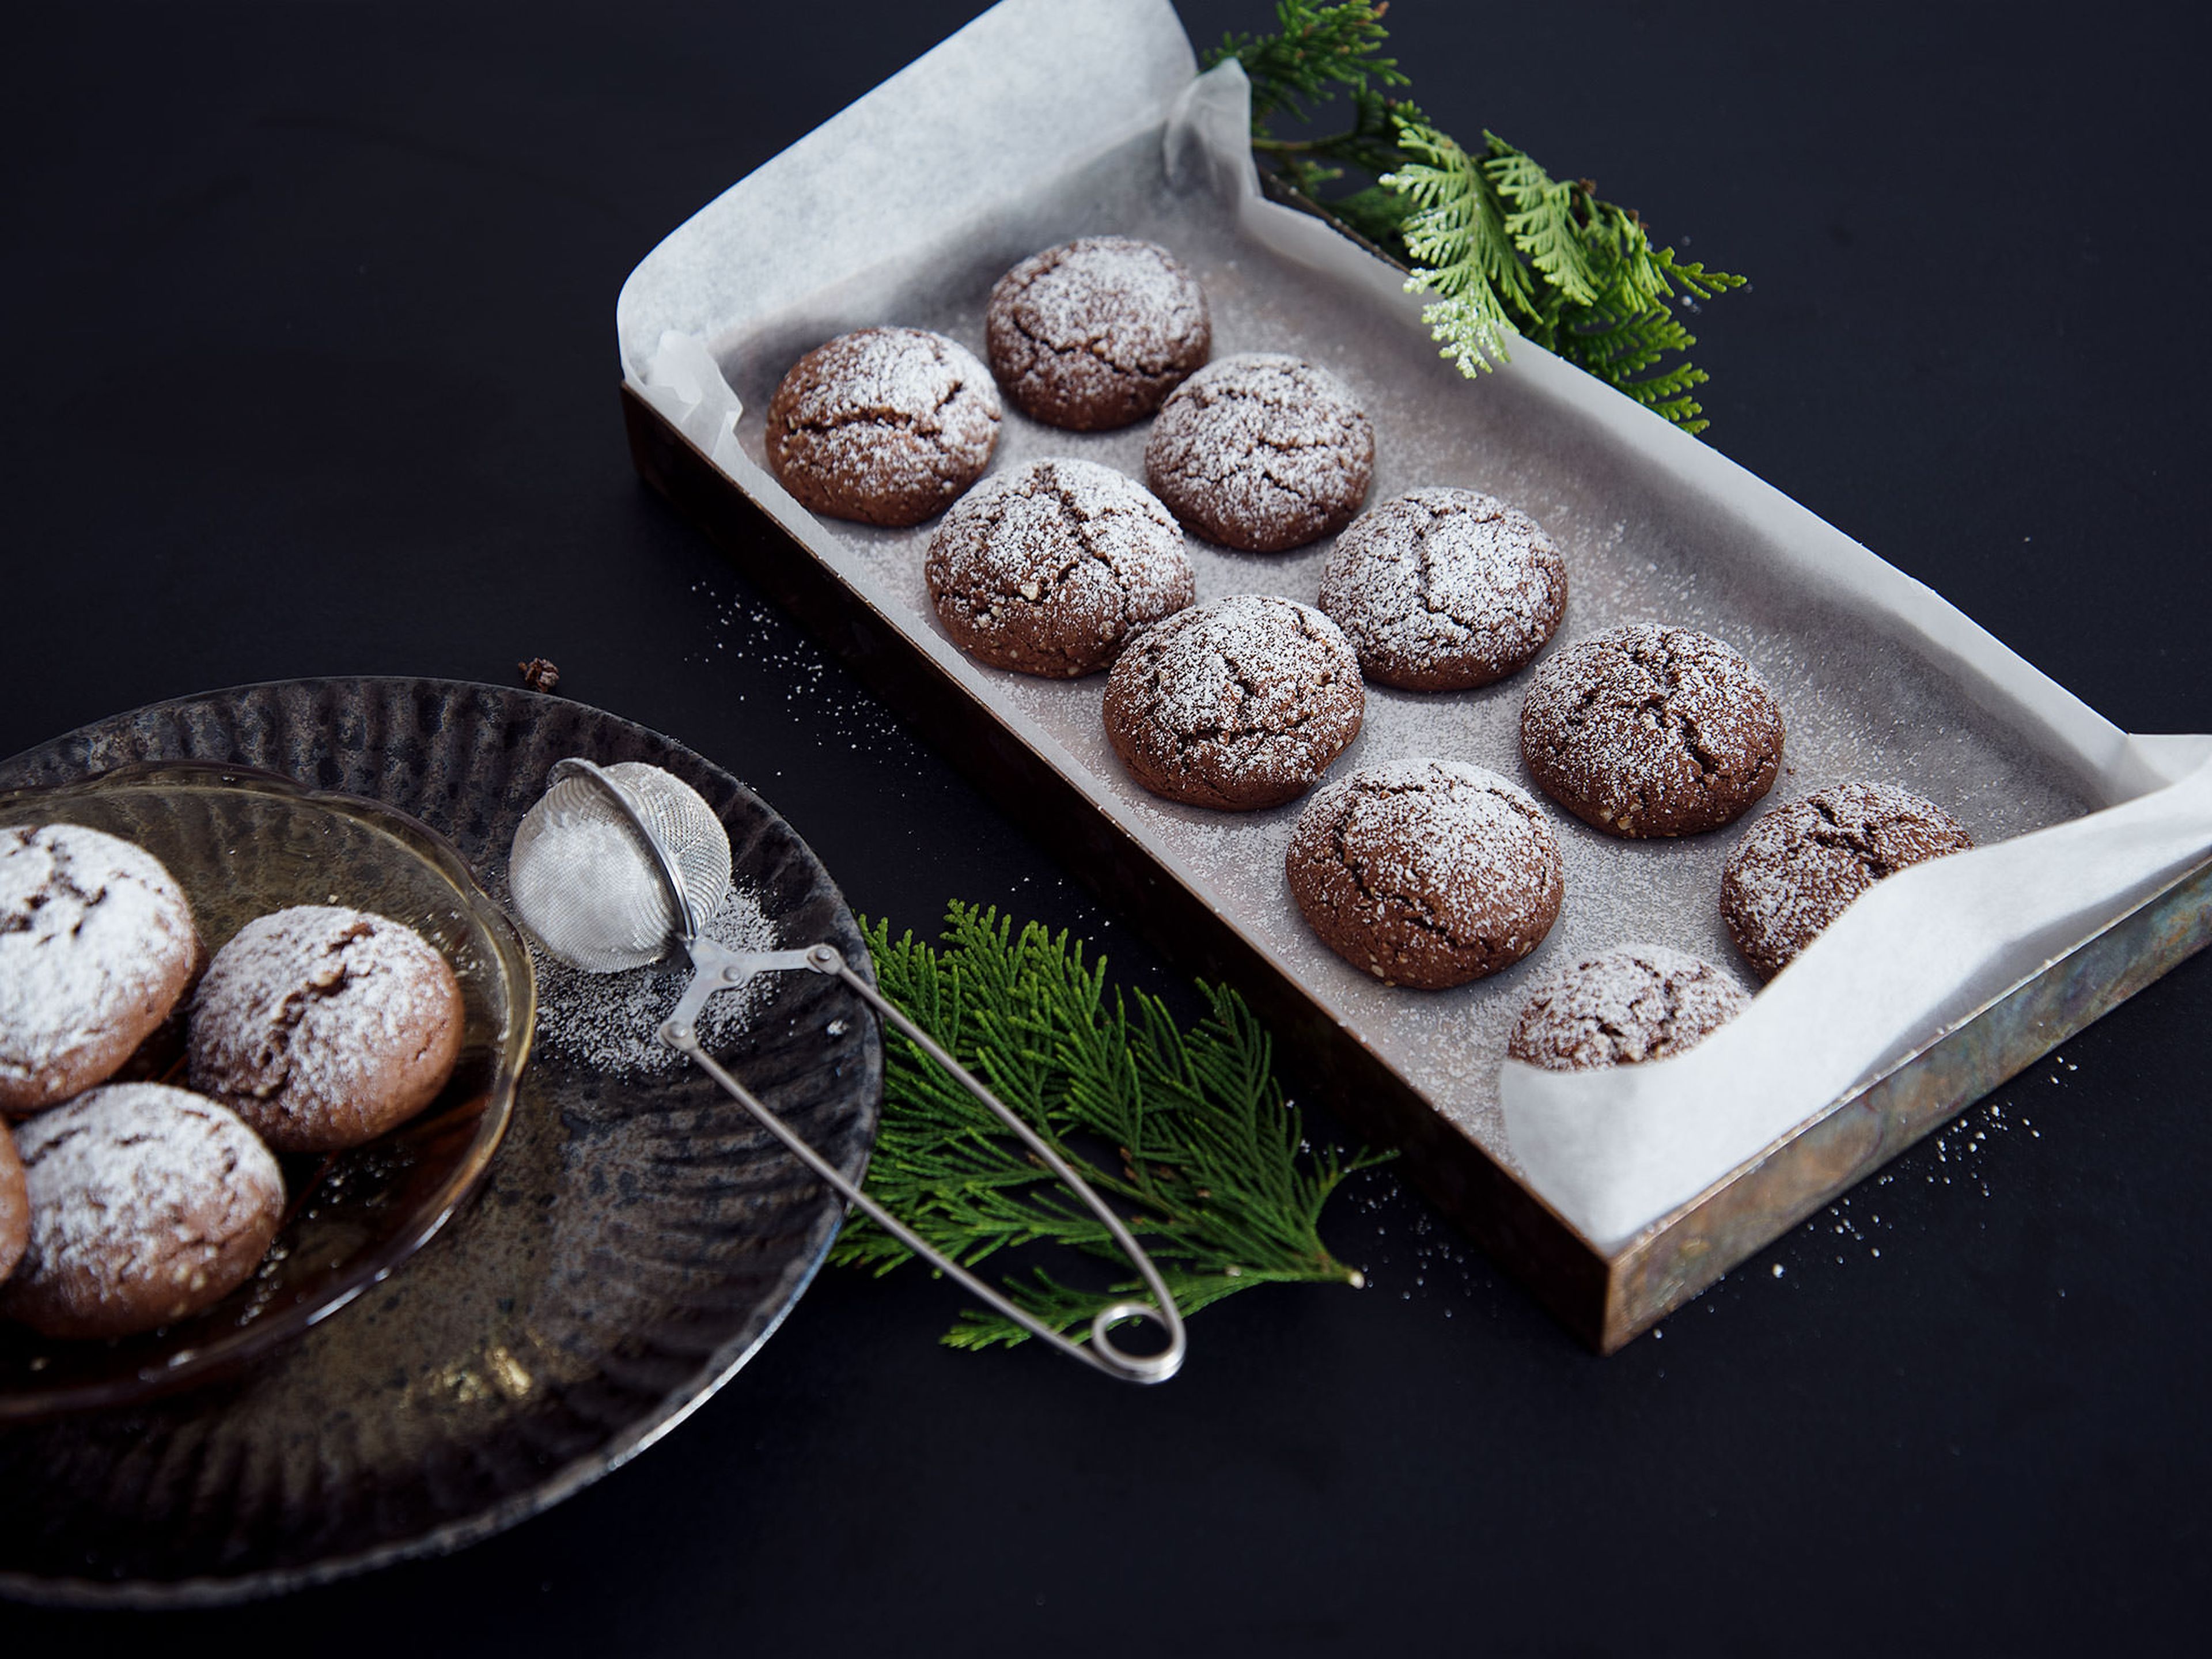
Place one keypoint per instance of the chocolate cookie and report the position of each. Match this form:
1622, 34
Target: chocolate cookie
1633, 1003
887, 426
323, 1027
1239, 704
15, 1205
1262, 452
148, 1204
1426, 873
96, 946
1095, 333
1440, 589
1050, 568
1651, 731
1800, 866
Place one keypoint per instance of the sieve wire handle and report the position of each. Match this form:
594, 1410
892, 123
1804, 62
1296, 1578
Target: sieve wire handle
681, 1034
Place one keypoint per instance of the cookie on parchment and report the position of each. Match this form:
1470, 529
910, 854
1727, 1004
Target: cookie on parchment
147, 1204
1622, 1006
1095, 333
1426, 873
1444, 589
1800, 866
1237, 704
1651, 731
886, 426
1262, 452
15, 1205
1049, 569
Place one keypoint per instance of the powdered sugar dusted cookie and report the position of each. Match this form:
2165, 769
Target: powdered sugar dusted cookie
96, 946
1050, 568
1262, 452
147, 1204
887, 426
324, 1027
1426, 873
1800, 866
1440, 589
1239, 704
1651, 731
1633, 1003
1095, 333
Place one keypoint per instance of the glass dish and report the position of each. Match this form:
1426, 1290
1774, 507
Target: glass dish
242, 843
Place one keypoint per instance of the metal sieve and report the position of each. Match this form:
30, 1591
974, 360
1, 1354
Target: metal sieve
617, 864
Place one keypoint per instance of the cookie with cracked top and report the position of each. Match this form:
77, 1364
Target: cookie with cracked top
1800, 866
1651, 731
1444, 589
97, 946
324, 1026
1426, 873
1237, 704
887, 426
1262, 452
148, 1204
1095, 333
1621, 1007
1049, 569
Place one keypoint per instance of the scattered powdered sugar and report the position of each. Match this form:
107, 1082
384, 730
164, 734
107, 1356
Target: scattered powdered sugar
1618, 1007
609, 1022
1444, 589
1261, 452
139, 1182
94, 933
314, 1005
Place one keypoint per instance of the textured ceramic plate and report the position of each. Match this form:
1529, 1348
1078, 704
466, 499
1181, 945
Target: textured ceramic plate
635, 1241
242, 845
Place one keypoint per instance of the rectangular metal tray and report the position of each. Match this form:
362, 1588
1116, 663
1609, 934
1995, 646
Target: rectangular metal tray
1605, 1298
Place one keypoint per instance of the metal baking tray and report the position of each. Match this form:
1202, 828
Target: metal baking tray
1653, 526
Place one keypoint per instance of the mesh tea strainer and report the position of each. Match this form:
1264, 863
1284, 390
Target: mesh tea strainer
615, 864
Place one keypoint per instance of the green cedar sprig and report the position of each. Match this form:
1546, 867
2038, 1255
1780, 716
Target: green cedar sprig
1186, 1130
1505, 248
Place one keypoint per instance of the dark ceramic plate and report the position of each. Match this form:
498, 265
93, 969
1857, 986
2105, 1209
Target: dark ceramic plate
242, 844
632, 1245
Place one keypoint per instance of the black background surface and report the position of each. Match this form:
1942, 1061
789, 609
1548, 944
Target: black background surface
311, 370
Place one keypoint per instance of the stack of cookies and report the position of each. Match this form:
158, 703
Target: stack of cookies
1424, 872
128, 1201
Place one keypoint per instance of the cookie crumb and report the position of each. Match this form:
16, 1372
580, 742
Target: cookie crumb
539, 673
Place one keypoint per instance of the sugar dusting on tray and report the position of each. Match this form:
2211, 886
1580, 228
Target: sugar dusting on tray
608, 1021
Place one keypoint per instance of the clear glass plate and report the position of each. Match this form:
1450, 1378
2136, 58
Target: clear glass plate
242, 843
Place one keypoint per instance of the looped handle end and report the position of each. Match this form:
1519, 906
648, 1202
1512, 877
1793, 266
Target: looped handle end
1138, 1367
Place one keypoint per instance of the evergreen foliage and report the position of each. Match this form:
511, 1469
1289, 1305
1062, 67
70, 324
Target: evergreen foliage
1505, 248
1186, 1130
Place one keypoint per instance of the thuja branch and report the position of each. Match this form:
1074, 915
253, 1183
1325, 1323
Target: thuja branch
1185, 1129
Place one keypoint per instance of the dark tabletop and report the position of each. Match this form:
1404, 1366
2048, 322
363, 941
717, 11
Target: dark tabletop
311, 370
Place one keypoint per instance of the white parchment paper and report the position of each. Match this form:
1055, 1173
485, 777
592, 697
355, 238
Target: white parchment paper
1043, 121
